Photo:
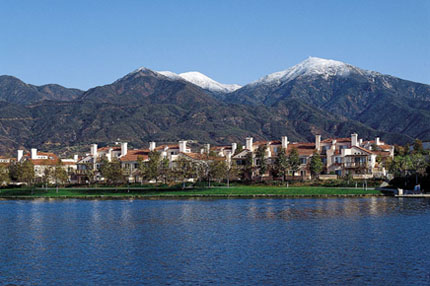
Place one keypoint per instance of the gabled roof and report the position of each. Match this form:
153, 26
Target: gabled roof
338, 140
304, 149
162, 147
221, 147
134, 155
362, 149
114, 148
203, 157
44, 162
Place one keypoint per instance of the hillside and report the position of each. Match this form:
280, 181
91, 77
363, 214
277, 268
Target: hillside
317, 96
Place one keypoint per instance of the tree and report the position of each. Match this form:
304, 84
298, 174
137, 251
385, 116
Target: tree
164, 170
418, 165
294, 160
231, 173
238, 149
247, 170
418, 146
153, 165
111, 171
26, 172
4, 175
184, 169
400, 165
60, 175
89, 172
281, 164
316, 164
216, 170
14, 169
261, 159
47, 174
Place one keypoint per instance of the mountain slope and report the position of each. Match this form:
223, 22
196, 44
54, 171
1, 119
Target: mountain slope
331, 99
338, 88
145, 86
13, 90
202, 81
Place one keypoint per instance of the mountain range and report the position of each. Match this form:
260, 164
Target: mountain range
316, 96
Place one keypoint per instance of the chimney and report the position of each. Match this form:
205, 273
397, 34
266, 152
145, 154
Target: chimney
94, 150
361, 141
109, 155
378, 141
354, 139
228, 155
208, 148
249, 144
183, 146
20, 155
285, 142
123, 149
333, 144
75, 158
152, 146
33, 153
318, 142
233, 148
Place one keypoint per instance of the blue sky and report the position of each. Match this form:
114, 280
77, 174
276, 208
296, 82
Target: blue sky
87, 43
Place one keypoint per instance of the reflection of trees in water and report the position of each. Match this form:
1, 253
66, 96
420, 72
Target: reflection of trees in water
349, 208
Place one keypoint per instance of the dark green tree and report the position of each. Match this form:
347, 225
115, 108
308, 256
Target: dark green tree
60, 174
184, 169
231, 173
248, 166
153, 168
316, 164
26, 172
281, 164
216, 170
112, 171
165, 171
293, 161
261, 159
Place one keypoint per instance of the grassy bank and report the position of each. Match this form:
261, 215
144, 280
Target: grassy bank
148, 192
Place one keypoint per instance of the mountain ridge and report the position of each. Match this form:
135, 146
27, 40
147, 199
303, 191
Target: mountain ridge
145, 105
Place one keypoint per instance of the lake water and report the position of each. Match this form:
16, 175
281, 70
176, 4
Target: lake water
359, 241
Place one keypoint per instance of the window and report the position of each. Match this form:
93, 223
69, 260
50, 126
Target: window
302, 160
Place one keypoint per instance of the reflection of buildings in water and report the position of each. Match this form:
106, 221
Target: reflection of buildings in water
126, 210
344, 207
252, 209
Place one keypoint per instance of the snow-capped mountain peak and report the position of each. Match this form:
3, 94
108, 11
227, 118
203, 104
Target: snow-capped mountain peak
170, 75
202, 81
309, 67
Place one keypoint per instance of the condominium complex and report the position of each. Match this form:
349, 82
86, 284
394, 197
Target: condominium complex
340, 157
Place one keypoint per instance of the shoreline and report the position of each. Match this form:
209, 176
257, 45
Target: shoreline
190, 196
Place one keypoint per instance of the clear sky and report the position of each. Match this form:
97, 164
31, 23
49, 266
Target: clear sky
87, 43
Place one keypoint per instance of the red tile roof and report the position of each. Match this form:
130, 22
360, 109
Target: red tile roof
134, 155
161, 147
115, 148
44, 162
304, 149
203, 157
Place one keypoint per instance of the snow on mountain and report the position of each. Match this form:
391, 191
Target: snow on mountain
310, 67
202, 80
170, 75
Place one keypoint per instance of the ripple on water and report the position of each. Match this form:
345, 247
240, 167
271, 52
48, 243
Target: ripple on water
359, 241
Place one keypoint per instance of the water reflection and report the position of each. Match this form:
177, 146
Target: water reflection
362, 241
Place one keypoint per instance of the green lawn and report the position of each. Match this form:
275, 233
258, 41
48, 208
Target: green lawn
216, 191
